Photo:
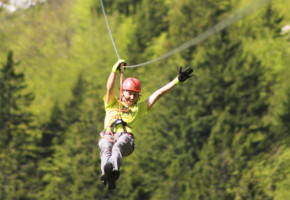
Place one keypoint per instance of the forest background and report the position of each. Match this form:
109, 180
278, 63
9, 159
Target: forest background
223, 134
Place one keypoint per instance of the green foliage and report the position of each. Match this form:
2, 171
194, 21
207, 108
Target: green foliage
17, 154
272, 20
223, 134
14, 121
126, 7
78, 149
150, 23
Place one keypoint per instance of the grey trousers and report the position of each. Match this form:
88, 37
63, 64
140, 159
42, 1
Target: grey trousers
115, 152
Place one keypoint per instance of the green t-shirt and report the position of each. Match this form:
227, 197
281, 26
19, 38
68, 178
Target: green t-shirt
131, 116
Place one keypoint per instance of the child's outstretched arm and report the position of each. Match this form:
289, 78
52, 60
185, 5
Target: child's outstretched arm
182, 76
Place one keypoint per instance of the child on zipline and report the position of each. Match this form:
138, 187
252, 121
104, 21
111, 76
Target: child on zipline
117, 139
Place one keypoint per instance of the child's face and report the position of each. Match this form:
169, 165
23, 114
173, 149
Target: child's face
131, 97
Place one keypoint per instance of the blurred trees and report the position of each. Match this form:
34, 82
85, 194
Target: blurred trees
17, 156
222, 134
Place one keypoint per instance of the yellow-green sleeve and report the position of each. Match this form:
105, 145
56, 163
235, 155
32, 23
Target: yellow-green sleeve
108, 106
143, 110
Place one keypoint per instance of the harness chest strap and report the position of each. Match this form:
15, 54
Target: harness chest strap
117, 122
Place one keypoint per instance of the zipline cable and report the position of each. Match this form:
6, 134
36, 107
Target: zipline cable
239, 14
215, 29
104, 12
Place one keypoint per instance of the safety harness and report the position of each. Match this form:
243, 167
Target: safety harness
118, 118
117, 122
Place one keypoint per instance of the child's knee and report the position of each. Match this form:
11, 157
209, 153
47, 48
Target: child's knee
126, 144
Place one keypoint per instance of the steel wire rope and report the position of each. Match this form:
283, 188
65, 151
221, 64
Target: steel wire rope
104, 12
236, 16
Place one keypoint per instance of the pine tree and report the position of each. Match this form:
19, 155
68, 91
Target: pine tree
71, 169
237, 94
16, 139
60, 120
53, 132
126, 7
150, 23
12, 100
272, 20
284, 126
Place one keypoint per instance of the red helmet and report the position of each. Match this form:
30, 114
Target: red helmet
132, 84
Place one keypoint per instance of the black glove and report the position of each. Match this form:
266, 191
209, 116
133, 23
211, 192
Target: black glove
183, 75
